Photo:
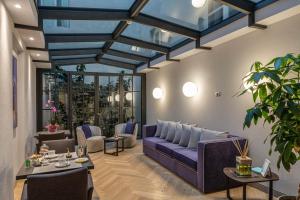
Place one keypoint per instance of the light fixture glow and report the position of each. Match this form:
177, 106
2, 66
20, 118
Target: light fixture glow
38, 55
128, 96
18, 6
162, 30
189, 89
157, 93
31, 38
109, 98
117, 97
198, 3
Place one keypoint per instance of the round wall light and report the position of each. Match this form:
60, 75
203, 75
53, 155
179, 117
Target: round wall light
157, 93
117, 97
189, 89
198, 3
128, 96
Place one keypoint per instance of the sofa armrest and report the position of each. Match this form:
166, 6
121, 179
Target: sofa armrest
213, 157
149, 130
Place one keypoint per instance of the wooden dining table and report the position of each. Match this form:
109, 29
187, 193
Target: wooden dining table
47, 169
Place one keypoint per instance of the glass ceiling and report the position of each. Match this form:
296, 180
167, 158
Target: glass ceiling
184, 13
174, 13
98, 68
105, 4
79, 26
153, 35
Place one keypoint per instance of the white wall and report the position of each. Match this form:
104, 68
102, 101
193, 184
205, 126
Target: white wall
222, 69
13, 142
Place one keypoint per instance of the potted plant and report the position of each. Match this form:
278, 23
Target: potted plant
275, 91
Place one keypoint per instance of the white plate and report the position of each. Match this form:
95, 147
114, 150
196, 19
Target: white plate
81, 160
51, 156
59, 165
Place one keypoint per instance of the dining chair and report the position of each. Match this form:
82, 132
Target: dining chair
49, 136
61, 146
75, 184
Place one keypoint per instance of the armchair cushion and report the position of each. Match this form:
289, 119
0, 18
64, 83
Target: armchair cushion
186, 156
129, 129
87, 131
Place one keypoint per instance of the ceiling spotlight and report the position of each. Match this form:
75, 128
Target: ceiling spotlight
198, 3
18, 6
162, 30
129, 22
38, 55
31, 38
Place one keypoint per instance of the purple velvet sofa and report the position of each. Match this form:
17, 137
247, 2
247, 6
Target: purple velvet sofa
201, 167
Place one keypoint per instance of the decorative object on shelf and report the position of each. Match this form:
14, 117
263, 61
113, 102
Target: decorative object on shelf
266, 170
190, 89
275, 89
243, 162
157, 93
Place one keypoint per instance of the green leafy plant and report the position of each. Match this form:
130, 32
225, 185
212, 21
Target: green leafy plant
275, 90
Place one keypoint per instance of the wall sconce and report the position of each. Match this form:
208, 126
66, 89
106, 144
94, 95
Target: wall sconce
128, 96
117, 97
157, 93
189, 89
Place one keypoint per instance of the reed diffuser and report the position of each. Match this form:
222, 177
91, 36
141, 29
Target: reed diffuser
243, 162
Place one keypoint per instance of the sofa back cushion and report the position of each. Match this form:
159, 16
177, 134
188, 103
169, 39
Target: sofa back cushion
164, 130
185, 137
207, 134
195, 137
171, 131
178, 133
159, 125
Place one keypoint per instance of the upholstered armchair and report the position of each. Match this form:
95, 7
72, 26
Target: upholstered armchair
130, 139
94, 143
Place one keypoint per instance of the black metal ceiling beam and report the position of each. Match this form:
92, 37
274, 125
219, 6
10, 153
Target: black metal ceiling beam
136, 8
68, 13
108, 14
115, 63
142, 44
167, 26
32, 28
74, 61
253, 24
120, 28
36, 49
85, 51
127, 55
244, 6
41, 61
55, 38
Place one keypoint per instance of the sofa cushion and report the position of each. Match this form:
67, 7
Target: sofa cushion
207, 134
168, 148
185, 137
164, 130
186, 156
178, 133
87, 131
153, 141
195, 137
159, 124
171, 131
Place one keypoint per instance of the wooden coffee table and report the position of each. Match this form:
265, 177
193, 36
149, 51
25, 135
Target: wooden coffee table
231, 175
116, 141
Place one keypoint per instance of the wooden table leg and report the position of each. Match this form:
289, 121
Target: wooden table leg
245, 192
117, 149
104, 147
228, 189
271, 190
123, 144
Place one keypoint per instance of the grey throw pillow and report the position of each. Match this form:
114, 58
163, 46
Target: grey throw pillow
178, 133
195, 137
207, 134
159, 125
171, 131
185, 137
164, 130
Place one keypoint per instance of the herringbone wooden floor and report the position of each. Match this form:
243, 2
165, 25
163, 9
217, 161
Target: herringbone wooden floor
133, 176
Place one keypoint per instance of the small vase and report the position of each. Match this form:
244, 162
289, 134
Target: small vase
243, 166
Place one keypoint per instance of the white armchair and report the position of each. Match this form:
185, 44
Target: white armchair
94, 143
130, 139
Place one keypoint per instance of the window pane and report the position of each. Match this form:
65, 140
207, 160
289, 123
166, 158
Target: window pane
184, 13
73, 57
121, 59
75, 45
98, 68
153, 35
133, 49
78, 26
112, 4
